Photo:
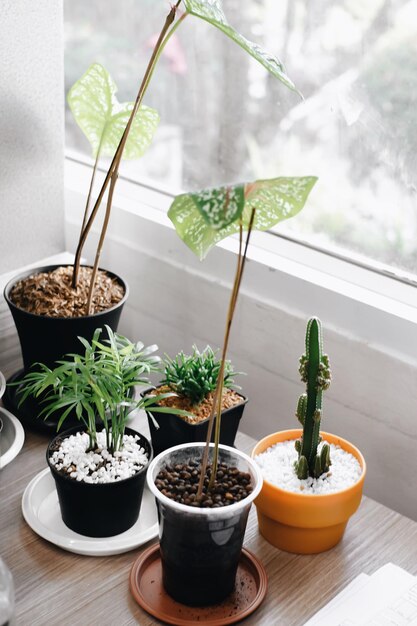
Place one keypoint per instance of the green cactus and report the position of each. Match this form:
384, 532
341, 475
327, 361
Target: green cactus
315, 372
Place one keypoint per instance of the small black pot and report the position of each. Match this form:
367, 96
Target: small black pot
173, 430
201, 547
47, 339
102, 510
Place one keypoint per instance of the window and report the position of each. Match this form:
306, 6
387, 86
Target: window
223, 118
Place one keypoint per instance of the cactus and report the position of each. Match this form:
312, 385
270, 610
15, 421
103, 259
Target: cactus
315, 372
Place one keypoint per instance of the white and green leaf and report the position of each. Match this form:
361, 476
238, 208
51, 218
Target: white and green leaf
274, 200
212, 12
103, 119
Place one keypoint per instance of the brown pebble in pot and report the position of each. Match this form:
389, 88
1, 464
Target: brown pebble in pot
180, 483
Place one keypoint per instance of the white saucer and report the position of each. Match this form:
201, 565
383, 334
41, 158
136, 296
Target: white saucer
41, 511
12, 437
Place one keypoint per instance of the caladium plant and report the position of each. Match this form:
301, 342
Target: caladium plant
204, 218
102, 118
122, 123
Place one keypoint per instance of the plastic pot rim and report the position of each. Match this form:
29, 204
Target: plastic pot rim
48, 268
205, 512
295, 433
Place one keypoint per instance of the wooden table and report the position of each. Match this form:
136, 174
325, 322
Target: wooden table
58, 588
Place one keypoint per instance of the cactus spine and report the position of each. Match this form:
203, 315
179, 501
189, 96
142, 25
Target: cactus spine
315, 372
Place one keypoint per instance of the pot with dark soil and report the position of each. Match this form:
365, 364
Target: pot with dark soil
193, 379
99, 469
50, 314
54, 305
201, 541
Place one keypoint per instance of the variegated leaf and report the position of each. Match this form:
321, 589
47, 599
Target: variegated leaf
211, 11
275, 200
92, 100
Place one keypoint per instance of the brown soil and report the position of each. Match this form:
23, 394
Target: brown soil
51, 293
200, 411
180, 483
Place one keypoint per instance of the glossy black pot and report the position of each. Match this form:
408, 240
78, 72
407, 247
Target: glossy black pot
173, 430
102, 510
46, 339
201, 547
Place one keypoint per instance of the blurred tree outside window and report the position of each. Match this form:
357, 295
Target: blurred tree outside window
224, 119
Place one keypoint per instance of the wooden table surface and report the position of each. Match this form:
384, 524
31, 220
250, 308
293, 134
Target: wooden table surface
58, 588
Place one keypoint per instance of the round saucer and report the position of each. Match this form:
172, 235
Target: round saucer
41, 511
148, 591
12, 437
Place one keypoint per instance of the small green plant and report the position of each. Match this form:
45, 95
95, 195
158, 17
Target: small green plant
195, 375
315, 372
98, 386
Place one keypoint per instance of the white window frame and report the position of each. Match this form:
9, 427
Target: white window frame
364, 304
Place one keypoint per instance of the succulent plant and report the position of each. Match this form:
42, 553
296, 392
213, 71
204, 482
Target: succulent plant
195, 375
315, 372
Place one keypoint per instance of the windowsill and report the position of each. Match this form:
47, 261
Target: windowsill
356, 302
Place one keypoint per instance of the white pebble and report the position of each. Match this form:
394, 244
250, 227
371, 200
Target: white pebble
277, 466
88, 465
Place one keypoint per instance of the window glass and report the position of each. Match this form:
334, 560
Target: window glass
224, 119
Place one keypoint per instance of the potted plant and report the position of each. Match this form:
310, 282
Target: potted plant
99, 467
312, 483
54, 305
204, 491
193, 379
118, 130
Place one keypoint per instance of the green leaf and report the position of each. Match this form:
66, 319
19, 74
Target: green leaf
212, 12
220, 207
275, 200
92, 100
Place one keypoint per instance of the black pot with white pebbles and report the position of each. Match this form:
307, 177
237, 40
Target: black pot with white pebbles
99, 493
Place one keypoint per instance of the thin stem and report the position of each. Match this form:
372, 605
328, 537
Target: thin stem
100, 244
114, 166
220, 379
90, 190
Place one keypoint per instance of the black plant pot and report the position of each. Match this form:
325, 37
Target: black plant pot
173, 430
102, 510
46, 339
201, 547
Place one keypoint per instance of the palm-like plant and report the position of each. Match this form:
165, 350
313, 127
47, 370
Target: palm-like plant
98, 386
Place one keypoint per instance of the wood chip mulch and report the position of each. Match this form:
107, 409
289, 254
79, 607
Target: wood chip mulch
202, 410
51, 293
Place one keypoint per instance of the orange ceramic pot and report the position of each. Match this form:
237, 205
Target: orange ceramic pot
306, 523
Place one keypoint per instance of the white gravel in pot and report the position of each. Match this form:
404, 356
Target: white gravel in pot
277, 467
99, 466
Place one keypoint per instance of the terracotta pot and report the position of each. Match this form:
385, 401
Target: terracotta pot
306, 523
47, 339
201, 547
99, 510
173, 430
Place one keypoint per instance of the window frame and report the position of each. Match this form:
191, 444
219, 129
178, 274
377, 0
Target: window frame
371, 304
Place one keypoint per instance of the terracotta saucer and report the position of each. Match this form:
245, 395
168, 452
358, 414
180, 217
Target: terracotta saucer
146, 587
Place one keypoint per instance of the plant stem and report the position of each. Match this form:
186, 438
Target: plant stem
217, 403
90, 190
113, 181
115, 164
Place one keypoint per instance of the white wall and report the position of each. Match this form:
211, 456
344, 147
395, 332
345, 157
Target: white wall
31, 131
176, 301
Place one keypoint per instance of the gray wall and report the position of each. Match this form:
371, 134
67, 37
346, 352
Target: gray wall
31, 131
